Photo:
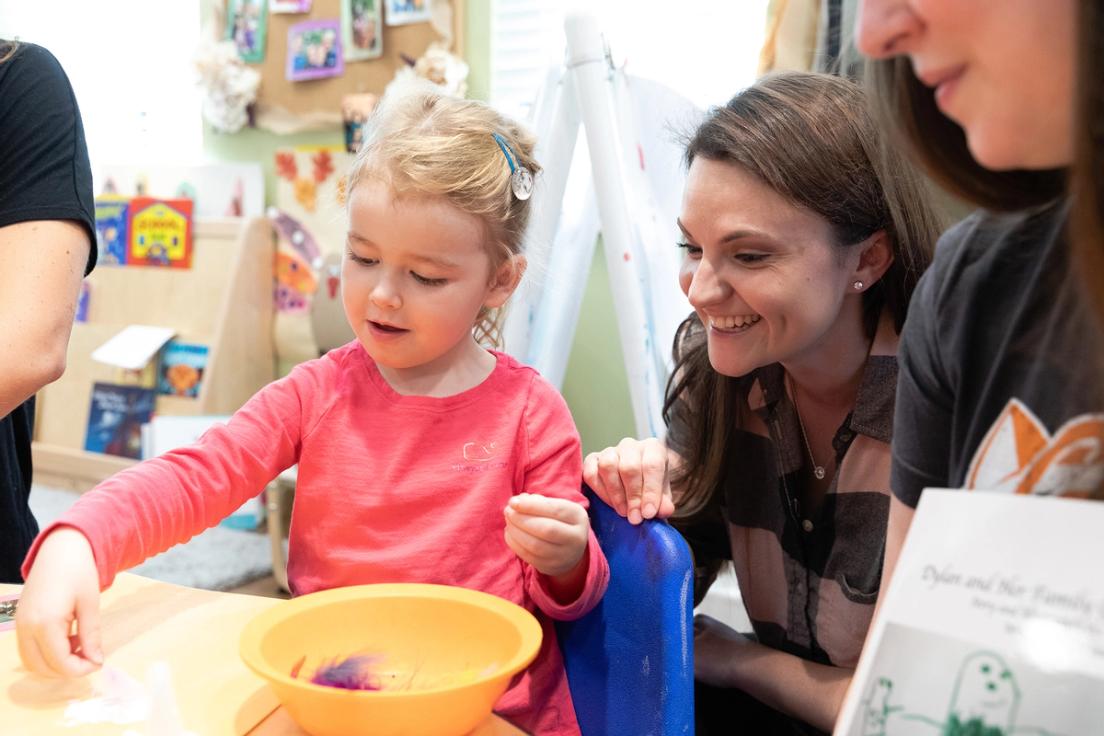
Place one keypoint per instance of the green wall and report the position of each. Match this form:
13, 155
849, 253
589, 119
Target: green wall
595, 385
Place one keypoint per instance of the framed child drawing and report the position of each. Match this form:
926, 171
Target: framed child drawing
362, 29
247, 26
402, 12
314, 50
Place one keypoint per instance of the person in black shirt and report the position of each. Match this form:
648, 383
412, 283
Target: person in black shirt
47, 236
1000, 363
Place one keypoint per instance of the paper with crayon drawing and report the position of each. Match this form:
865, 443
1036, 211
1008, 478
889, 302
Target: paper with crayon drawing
993, 624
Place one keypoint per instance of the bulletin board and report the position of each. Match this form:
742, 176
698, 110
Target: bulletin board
319, 100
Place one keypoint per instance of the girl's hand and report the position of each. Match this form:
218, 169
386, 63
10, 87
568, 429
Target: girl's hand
632, 478
549, 533
63, 587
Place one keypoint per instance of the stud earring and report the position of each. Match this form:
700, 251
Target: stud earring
858, 285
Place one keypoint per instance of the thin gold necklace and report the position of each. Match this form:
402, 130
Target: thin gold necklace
818, 470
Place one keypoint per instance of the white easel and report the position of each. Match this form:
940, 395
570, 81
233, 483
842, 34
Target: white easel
639, 242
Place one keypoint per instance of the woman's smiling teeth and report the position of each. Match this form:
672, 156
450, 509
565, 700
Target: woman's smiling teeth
734, 324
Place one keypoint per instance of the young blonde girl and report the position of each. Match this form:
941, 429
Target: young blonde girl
422, 456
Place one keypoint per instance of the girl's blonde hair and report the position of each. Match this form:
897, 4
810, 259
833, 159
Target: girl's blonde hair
421, 142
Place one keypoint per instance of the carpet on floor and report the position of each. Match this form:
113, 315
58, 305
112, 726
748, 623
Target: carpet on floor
218, 559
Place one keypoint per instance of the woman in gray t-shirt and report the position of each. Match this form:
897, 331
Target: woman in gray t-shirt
1000, 359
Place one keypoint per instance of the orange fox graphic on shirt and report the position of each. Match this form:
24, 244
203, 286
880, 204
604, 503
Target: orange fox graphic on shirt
1019, 455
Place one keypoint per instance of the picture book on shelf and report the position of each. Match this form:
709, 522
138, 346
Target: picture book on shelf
160, 232
111, 229
182, 367
115, 418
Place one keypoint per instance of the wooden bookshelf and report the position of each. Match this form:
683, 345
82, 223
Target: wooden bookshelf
223, 301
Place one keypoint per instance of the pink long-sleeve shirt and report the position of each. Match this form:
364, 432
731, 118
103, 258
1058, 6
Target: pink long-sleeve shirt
390, 488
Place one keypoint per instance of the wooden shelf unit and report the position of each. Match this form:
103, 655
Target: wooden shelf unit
224, 301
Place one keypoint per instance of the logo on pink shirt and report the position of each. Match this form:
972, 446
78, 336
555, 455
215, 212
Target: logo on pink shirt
479, 457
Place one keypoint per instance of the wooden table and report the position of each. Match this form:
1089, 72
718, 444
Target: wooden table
196, 632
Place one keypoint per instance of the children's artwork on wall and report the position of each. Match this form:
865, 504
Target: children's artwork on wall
309, 228
305, 187
294, 284
402, 12
247, 26
314, 50
111, 229
362, 29
295, 281
115, 418
289, 6
182, 367
160, 232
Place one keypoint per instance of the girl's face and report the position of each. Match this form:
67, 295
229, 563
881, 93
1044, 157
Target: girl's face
415, 275
1002, 69
763, 275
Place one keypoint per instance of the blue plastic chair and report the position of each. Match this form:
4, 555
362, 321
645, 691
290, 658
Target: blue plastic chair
630, 661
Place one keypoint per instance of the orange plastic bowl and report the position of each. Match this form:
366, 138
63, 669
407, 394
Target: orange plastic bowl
445, 655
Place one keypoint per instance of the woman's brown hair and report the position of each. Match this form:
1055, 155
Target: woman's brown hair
812, 139
907, 109
1087, 176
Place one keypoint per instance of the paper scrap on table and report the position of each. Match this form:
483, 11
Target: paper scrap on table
134, 346
118, 699
121, 700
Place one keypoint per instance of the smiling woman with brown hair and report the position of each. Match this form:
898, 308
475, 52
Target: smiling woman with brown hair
47, 236
803, 241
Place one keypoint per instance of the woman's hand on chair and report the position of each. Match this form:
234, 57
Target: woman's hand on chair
633, 478
63, 586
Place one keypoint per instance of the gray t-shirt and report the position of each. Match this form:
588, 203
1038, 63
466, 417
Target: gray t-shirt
999, 365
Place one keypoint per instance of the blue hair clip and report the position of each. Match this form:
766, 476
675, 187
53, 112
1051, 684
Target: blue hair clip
521, 179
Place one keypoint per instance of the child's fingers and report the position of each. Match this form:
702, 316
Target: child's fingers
88, 628
512, 544
57, 650
548, 529
534, 504
29, 653
526, 546
546, 557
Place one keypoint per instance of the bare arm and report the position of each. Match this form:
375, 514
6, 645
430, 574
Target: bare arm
44, 263
806, 690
